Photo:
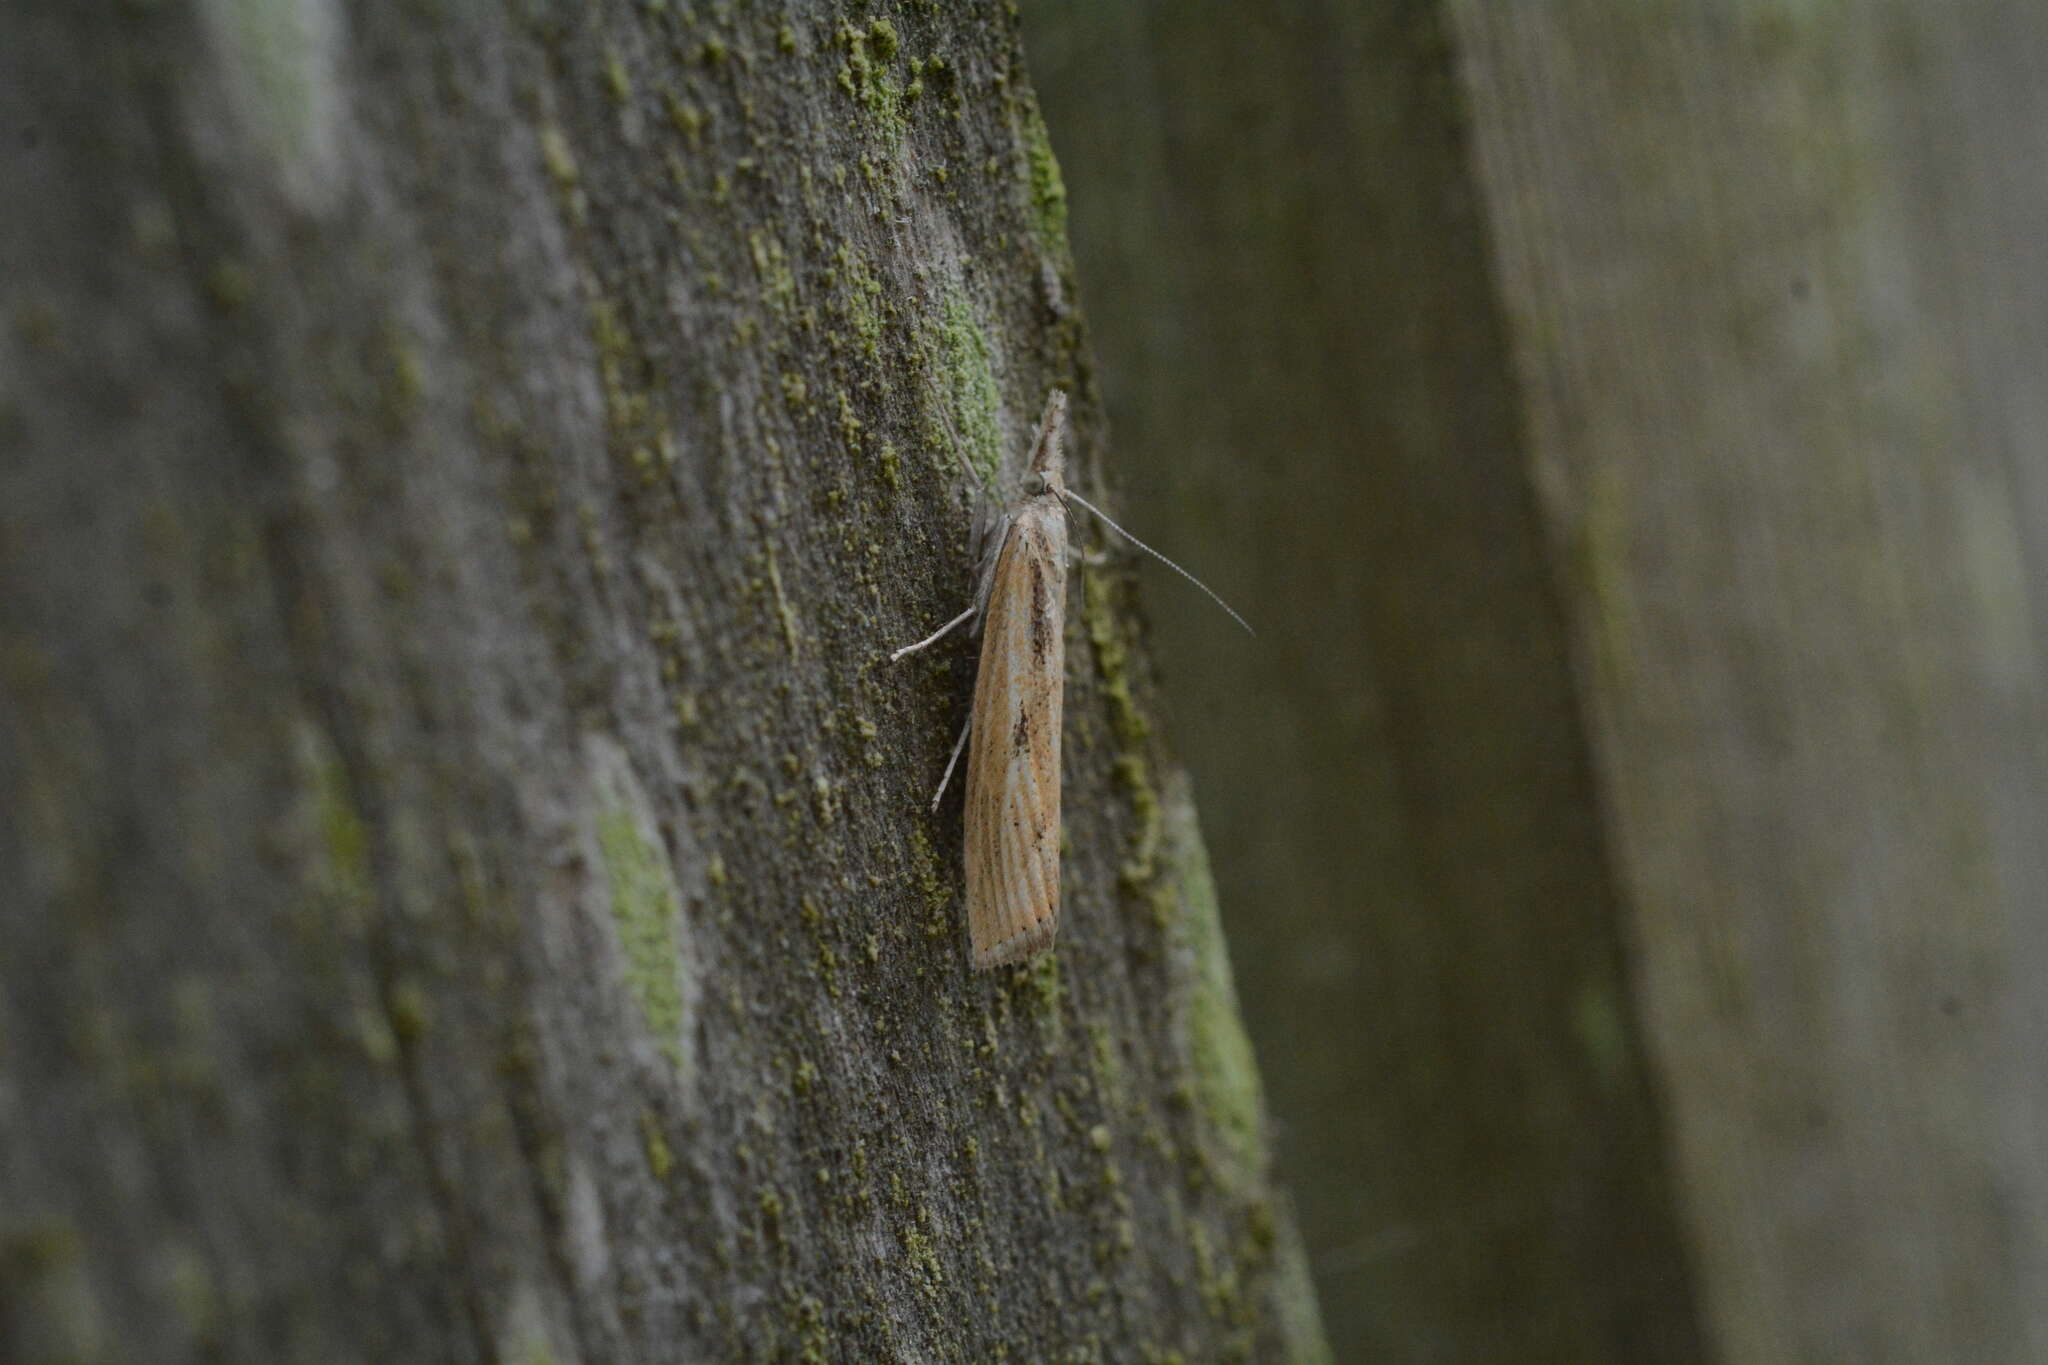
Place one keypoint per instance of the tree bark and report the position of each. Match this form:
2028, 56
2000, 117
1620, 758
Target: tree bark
465, 891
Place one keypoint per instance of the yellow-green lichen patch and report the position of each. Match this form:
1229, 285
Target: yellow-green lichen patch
407, 384
558, 157
685, 118
868, 77
850, 425
646, 908
768, 1200
814, 1342
1038, 984
1226, 1076
559, 160
922, 1259
341, 873
630, 410
931, 884
882, 34
1106, 1065
660, 1159
938, 72
1132, 767
967, 379
859, 299
1048, 190
771, 267
1216, 1277
797, 394
785, 614
1111, 659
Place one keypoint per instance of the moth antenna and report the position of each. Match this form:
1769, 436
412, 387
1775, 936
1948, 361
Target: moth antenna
1111, 523
958, 745
936, 635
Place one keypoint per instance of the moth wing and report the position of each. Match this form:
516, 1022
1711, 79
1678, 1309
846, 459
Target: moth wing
1013, 757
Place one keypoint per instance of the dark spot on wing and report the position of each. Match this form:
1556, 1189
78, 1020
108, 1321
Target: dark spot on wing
1021, 736
1041, 611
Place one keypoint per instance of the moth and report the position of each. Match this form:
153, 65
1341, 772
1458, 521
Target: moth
1013, 763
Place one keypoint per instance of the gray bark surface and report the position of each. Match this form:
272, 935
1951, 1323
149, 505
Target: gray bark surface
1780, 294
1307, 365
465, 892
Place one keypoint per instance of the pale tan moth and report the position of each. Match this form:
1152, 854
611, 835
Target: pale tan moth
1013, 767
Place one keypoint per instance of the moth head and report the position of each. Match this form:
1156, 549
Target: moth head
1049, 456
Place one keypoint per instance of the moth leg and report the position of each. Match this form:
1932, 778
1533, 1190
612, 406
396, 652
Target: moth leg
935, 636
958, 745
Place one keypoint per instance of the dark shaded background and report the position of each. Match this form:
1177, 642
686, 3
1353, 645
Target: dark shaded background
1303, 360
1620, 423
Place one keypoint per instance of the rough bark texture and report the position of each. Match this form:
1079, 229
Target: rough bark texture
1780, 290
464, 886
1306, 362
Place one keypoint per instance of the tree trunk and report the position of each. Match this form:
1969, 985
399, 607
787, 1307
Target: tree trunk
465, 887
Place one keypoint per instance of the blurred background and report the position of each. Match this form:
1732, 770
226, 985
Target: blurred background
1623, 424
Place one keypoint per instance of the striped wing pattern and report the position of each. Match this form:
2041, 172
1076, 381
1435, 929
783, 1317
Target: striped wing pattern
1013, 756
